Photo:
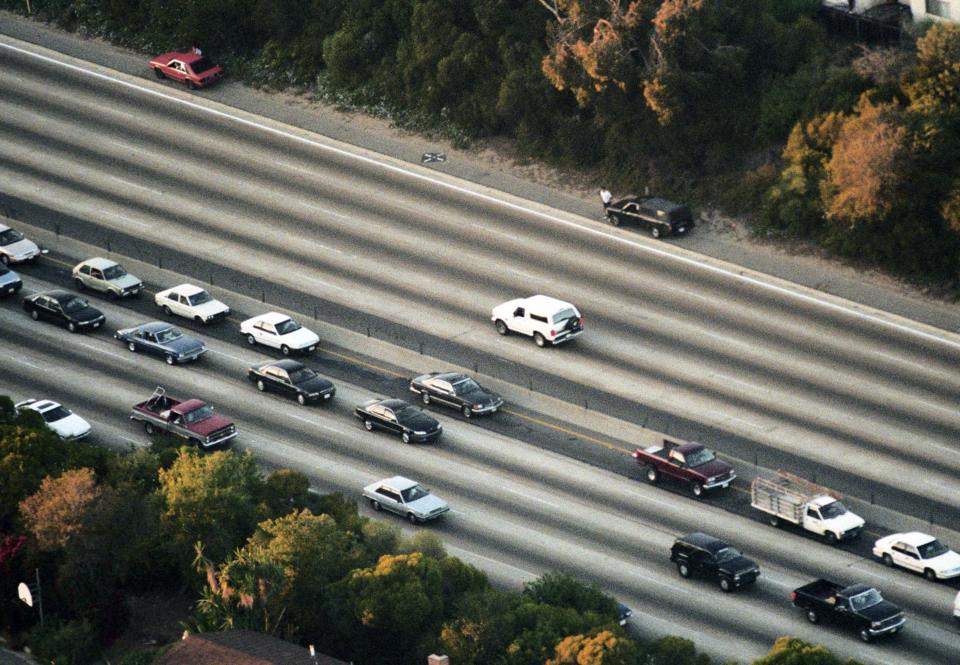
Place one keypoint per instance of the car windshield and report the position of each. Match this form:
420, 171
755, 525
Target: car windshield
4, 269
287, 327
10, 236
55, 414
700, 457
414, 493
168, 335
831, 510
467, 386
302, 375
866, 599
197, 415
406, 411
114, 272
727, 553
74, 305
199, 298
564, 314
932, 549
201, 65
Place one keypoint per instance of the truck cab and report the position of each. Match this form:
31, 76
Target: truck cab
826, 515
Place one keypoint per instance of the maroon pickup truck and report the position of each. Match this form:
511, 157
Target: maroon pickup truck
691, 463
190, 419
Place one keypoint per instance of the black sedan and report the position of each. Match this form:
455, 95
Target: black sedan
456, 390
395, 415
164, 340
65, 308
290, 377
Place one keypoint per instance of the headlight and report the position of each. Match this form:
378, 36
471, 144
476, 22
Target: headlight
711, 479
875, 624
736, 577
478, 406
419, 433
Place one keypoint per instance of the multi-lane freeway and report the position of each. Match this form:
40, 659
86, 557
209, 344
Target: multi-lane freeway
764, 371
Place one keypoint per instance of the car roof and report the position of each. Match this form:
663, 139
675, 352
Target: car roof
702, 540
452, 377
915, 538
398, 483
272, 317
99, 262
546, 303
186, 289
4, 227
58, 294
155, 326
287, 364
186, 407
41, 405
393, 403
822, 500
661, 204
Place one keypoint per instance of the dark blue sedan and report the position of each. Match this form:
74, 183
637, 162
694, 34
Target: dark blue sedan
164, 340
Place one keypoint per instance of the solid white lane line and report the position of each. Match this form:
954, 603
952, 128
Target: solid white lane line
696, 263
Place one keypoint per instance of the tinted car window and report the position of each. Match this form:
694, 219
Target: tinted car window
700, 457
10, 236
406, 412
564, 314
55, 414
197, 415
201, 65
727, 554
200, 298
287, 326
302, 375
75, 305
114, 272
831, 510
168, 335
932, 549
468, 386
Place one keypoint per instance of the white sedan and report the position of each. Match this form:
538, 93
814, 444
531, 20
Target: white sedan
59, 418
280, 332
405, 497
191, 302
920, 553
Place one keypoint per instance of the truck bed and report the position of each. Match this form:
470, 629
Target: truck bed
822, 591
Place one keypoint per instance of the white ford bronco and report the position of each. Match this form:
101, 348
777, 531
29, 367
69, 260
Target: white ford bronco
546, 319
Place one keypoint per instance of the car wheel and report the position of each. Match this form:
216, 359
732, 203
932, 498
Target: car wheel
169, 359
773, 520
412, 518
502, 328
405, 437
831, 538
812, 616
260, 385
132, 347
930, 574
466, 411
284, 349
149, 429
425, 397
198, 320
887, 560
113, 295
190, 84
72, 327
375, 505
251, 340
368, 425
159, 73
79, 283
726, 585
655, 232
865, 635
683, 569
652, 475
613, 219
34, 314
301, 399
167, 310
5, 259
696, 489
539, 339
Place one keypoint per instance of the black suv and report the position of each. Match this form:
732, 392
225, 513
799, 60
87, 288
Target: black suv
658, 216
706, 556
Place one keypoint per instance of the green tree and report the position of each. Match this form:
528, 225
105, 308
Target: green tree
210, 499
564, 590
794, 651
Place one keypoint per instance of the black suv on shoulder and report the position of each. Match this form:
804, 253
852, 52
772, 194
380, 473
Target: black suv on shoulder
705, 556
658, 216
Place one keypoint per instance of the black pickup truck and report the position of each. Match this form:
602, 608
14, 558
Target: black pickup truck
858, 605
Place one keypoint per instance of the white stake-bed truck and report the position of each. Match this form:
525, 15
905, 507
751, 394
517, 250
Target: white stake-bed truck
798, 501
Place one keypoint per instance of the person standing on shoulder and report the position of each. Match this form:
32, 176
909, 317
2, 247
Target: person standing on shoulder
605, 197
196, 50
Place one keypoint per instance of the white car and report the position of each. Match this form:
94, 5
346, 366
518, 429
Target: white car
14, 248
920, 553
546, 319
107, 276
405, 497
956, 608
191, 302
59, 418
280, 332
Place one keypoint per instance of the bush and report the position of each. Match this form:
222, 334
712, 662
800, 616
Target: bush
71, 643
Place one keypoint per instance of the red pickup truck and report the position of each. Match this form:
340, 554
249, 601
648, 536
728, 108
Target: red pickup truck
690, 463
190, 419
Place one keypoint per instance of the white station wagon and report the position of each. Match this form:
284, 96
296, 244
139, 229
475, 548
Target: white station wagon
106, 276
279, 331
546, 319
191, 302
